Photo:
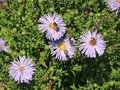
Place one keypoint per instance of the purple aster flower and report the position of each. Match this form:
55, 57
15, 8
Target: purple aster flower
53, 26
62, 49
113, 4
92, 43
22, 69
2, 45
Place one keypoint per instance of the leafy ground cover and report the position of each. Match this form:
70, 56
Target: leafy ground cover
19, 26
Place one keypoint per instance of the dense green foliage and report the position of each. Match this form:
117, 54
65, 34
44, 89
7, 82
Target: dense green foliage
19, 26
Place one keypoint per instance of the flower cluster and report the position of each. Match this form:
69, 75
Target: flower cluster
53, 26
21, 69
63, 48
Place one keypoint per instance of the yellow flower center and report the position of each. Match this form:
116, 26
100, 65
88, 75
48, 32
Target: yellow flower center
21, 68
53, 26
62, 46
92, 42
118, 1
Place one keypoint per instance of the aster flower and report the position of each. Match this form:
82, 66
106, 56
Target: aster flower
92, 43
62, 49
2, 45
22, 69
53, 26
113, 4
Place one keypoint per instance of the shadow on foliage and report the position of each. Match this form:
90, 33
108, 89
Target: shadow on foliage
92, 71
